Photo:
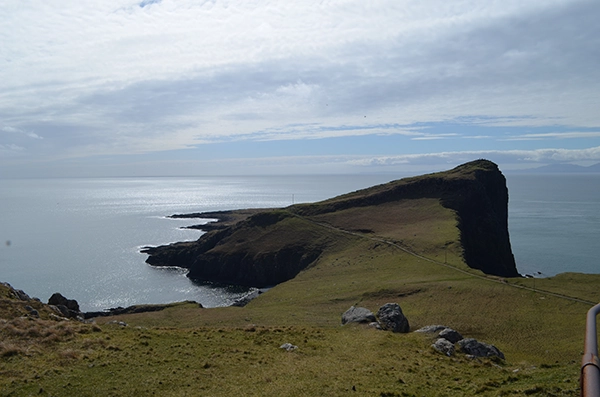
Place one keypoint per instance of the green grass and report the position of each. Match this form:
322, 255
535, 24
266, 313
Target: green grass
248, 361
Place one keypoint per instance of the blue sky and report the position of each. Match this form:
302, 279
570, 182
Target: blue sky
160, 87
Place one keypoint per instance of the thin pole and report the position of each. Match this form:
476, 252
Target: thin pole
590, 364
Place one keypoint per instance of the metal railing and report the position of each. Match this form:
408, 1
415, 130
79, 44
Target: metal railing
590, 364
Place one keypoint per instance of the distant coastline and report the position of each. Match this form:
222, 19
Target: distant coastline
559, 169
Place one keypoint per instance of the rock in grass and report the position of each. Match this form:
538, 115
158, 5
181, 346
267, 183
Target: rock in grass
32, 311
444, 346
450, 335
375, 325
358, 315
431, 329
57, 299
67, 307
479, 349
392, 319
288, 346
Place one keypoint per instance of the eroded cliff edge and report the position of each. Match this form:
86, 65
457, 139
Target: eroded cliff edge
266, 247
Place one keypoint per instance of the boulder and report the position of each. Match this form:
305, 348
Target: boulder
375, 325
62, 310
32, 311
450, 335
479, 349
391, 318
358, 315
431, 329
68, 307
444, 346
57, 299
21, 295
288, 346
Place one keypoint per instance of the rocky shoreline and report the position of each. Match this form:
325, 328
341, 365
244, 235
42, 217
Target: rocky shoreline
65, 308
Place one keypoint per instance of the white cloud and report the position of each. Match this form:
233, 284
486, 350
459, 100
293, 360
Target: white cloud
420, 162
431, 137
556, 135
136, 76
536, 156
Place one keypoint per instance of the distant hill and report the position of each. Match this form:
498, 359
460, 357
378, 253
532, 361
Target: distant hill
562, 169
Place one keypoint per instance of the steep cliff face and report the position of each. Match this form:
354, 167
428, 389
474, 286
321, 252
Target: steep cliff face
263, 250
275, 245
481, 204
476, 191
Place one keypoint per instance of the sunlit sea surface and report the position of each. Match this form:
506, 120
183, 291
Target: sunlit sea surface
82, 237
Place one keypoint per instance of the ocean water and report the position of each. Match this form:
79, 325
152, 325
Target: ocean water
554, 223
82, 237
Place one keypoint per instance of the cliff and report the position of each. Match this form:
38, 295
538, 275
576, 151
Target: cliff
263, 250
272, 246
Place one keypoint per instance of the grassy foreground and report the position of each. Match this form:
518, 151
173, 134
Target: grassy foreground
409, 254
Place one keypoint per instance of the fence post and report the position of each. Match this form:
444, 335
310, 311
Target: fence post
590, 364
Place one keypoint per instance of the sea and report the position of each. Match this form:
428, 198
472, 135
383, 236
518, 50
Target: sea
82, 237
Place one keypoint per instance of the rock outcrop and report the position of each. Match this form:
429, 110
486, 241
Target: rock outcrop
476, 191
444, 346
358, 315
66, 307
391, 318
266, 248
261, 251
448, 337
479, 349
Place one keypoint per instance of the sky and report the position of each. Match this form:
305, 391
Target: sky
186, 87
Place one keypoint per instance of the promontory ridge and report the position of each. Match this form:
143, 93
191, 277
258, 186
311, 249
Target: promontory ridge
266, 247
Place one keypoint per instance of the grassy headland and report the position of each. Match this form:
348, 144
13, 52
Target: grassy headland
407, 251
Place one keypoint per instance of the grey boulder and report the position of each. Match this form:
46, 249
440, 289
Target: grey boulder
358, 315
444, 346
431, 329
450, 335
479, 349
391, 318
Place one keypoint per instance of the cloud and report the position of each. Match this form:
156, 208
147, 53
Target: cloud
125, 77
430, 137
557, 135
14, 130
536, 156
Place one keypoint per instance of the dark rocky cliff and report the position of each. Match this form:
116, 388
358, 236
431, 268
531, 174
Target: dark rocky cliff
273, 246
476, 191
262, 250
